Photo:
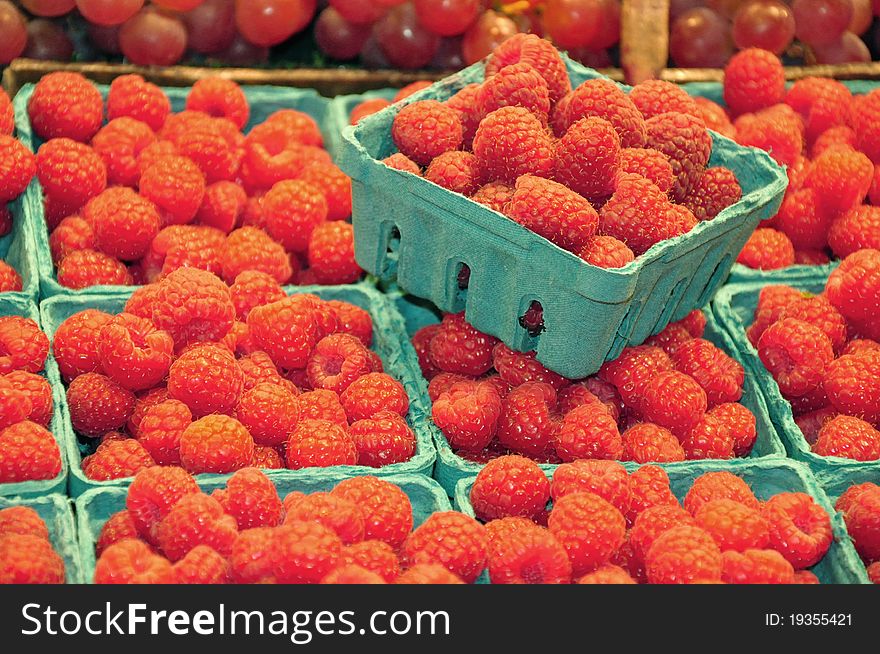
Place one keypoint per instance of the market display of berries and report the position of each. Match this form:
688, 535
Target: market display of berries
186, 377
151, 191
17, 167
27, 556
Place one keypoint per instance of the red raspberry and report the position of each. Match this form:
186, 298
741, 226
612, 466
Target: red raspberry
772, 301
298, 126
22, 520
650, 487
818, 311
855, 230
334, 184
553, 211
602, 98
648, 163
638, 213
716, 486
719, 375
254, 555
386, 508
686, 142
207, 379
811, 423
708, 439
160, 430
848, 437
851, 383
588, 432
683, 555
607, 574
590, 529
442, 382
373, 393
803, 220
454, 540
176, 186
220, 98
854, 287
734, 526
116, 459
266, 162
15, 406
196, 519
778, 131
833, 137
716, 190
528, 556
516, 85
587, 158
19, 166
822, 103
873, 573
517, 368
753, 79
426, 129
352, 574
679, 220
29, 559
402, 162
119, 143
375, 556
654, 97
322, 405
28, 452
269, 411
212, 147
73, 233
862, 118
494, 195
70, 173
202, 565
456, 171
673, 400
215, 443
511, 142
257, 368
65, 105
467, 103
860, 506
23, 346
574, 395
428, 573
331, 254
841, 178
539, 54
647, 442
740, 423
715, 117
7, 115
222, 206
458, 347
607, 479
811, 258
653, 522
98, 404
75, 344
468, 415
134, 352
606, 252
320, 443
797, 354
756, 566
510, 486
184, 246
633, 369
267, 458
336, 513
119, 526
384, 439
83, 268
251, 249
9, 279
131, 96
353, 320
130, 561
337, 361
526, 425
293, 209
152, 494
800, 529
193, 306
253, 288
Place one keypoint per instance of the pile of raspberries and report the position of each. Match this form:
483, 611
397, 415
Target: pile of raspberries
860, 506
214, 379
129, 201
824, 353
672, 399
26, 553
28, 451
361, 532
609, 527
17, 168
828, 139
599, 172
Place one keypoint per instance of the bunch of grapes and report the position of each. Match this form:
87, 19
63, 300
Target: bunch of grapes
705, 34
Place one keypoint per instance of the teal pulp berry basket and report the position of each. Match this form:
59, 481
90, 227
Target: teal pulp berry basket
734, 307
94, 507
389, 342
19, 306
263, 100
740, 273
421, 234
451, 468
57, 512
841, 564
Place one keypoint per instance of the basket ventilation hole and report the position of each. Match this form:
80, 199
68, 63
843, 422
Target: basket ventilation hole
533, 319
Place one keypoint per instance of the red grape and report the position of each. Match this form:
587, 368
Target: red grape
591, 58
863, 16
405, 42
109, 12
447, 17
242, 52
48, 8
13, 32
489, 31
609, 27
210, 26
359, 11
725, 8
849, 48
573, 23
388, 3
372, 56
338, 38
153, 38
700, 38
269, 22
678, 7
448, 55
821, 22
47, 41
178, 5
105, 38
767, 24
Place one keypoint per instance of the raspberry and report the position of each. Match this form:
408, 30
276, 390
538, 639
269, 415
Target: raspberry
588, 432
679, 220
601, 98
686, 142
454, 540
22, 520
841, 178
28, 452
574, 395
221, 98
455, 171
335, 185
511, 142
7, 115
426, 129
70, 173
9, 279
590, 529
257, 368
383, 439
458, 347
636, 214
526, 425
756, 566
797, 354
733, 525
428, 573
715, 117
215, 443
833, 137
119, 526
338, 514
803, 220
250, 249
650, 487
634, 368
253, 288
116, 459
222, 206
468, 415
800, 529
201, 565
855, 230
863, 113
176, 186
517, 368
822, 103
772, 301
850, 438
152, 494
193, 306
717, 486
331, 254
753, 79
402, 162
386, 508
254, 555
160, 429
651, 523
529, 556
854, 287
851, 383
23, 346
367, 108
442, 382
719, 375
65, 105
19, 166
352, 574
375, 556
811, 423
353, 320
372, 393
73, 233
647, 442
29, 559
320, 443
119, 143
651, 164
194, 520
740, 423
539, 54
98, 404
298, 126
131, 96
716, 190
510, 486
587, 158
516, 85
293, 209
776, 131
322, 405
654, 97
134, 352
467, 103
494, 195
607, 574
184, 246
818, 311
130, 561
207, 379
862, 516
337, 361
15, 406
269, 412
607, 479
683, 555
217, 157
83, 268
673, 400
75, 344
